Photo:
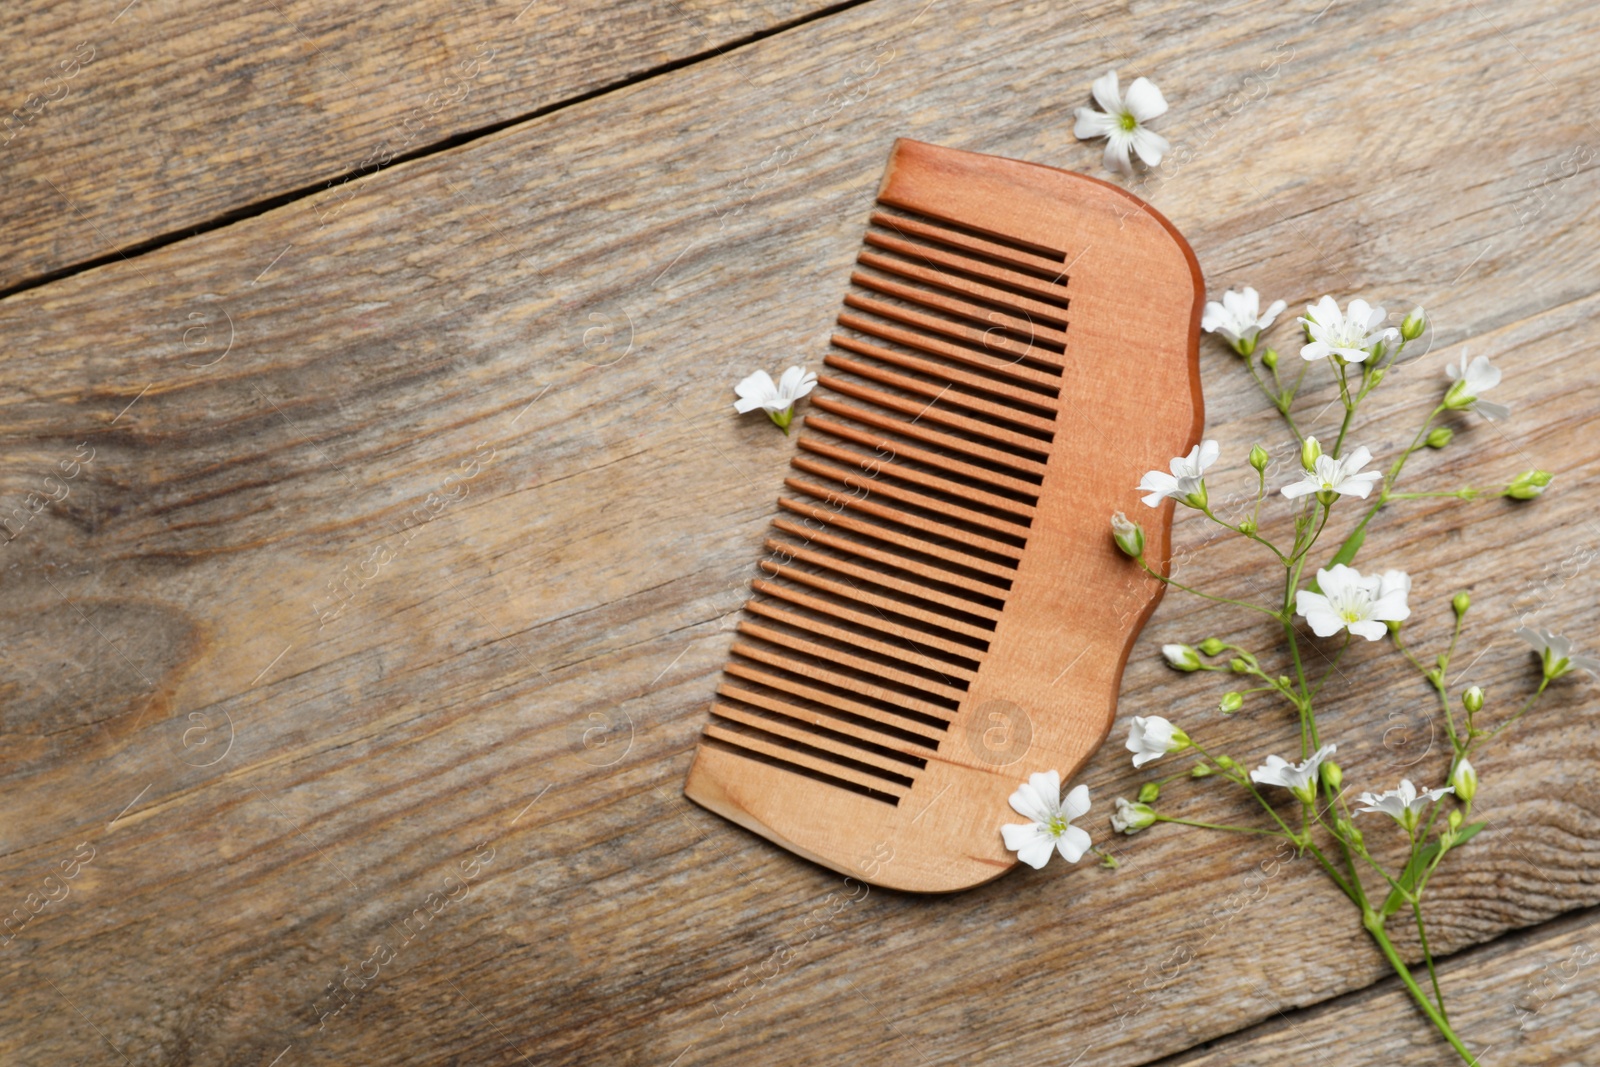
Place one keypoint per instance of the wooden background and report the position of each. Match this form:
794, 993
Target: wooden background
375, 636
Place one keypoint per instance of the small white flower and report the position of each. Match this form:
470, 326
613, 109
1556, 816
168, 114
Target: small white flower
1121, 122
758, 391
1238, 318
1151, 737
1471, 381
1352, 601
1298, 778
1185, 483
1464, 779
1039, 799
1132, 816
1555, 652
1403, 805
1331, 475
1350, 334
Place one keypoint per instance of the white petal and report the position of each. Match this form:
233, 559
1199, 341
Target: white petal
1371, 629
1359, 457
1145, 101
1092, 124
1027, 803
1150, 145
1273, 311
1073, 843
1215, 318
1106, 94
1315, 350
1301, 488
1116, 157
1358, 485
1209, 450
1334, 580
1482, 375
1076, 804
1036, 850
1491, 411
757, 386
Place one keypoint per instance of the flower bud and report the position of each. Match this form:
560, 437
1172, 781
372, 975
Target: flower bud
1128, 535
1149, 793
1131, 818
1455, 820
1269, 359
1284, 682
1181, 657
1472, 700
1461, 602
1227, 763
1201, 770
1247, 526
1332, 775
1211, 646
1376, 374
1231, 702
1528, 485
1310, 452
1239, 666
1464, 776
1348, 831
1414, 324
1439, 437
1259, 458
1435, 676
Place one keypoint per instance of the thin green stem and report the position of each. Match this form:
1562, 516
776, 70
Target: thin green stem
1208, 596
1374, 926
1221, 826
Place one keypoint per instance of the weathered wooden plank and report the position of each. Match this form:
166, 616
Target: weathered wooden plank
146, 120
1526, 1000
488, 404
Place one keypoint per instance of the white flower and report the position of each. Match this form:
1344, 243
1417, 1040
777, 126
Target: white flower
1330, 475
1131, 817
1151, 737
1472, 380
1238, 319
1403, 805
1350, 334
1121, 122
758, 391
1184, 483
1039, 799
1298, 778
1352, 601
1181, 657
1555, 652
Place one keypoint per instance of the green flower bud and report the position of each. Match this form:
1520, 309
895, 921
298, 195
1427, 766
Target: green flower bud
1231, 702
1211, 646
1472, 700
1239, 666
1202, 770
1181, 657
1131, 818
1149, 793
1435, 676
1464, 776
1128, 535
1332, 775
1227, 763
1414, 324
1348, 831
1248, 527
1439, 437
1310, 452
1376, 374
1283, 681
1528, 485
1461, 602
1269, 359
1259, 458
1455, 821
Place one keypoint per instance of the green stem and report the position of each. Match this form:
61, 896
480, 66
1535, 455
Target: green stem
1221, 826
1208, 596
1374, 926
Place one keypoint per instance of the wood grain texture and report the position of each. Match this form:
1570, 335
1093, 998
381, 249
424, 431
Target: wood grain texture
151, 118
431, 539
1526, 1000
788, 764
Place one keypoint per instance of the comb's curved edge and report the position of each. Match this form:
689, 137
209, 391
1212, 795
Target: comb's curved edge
941, 833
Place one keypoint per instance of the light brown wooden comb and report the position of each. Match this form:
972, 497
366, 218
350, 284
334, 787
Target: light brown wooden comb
943, 611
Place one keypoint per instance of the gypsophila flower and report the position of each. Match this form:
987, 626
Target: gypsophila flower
1464, 779
1129, 536
778, 400
1299, 778
1555, 652
1131, 816
1186, 483
1151, 737
1329, 475
1469, 382
1181, 657
1239, 319
1121, 122
1350, 334
1352, 601
1404, 805
1039, 800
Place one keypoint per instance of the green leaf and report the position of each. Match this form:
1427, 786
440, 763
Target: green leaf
1421, 862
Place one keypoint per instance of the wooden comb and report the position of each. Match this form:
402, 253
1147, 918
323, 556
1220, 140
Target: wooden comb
943, 611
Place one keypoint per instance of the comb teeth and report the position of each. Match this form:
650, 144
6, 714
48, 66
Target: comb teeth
915, 491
